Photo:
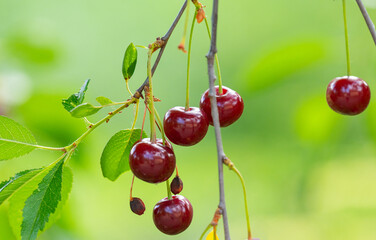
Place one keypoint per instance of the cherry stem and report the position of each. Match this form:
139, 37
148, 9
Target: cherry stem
233, 168
129, 90
346, 38
160, 126
177, 172
130, 196
205, 231
189, 62
220, 91
214, 232
185, 25
143, 122
136, 115
169, 195
153, 134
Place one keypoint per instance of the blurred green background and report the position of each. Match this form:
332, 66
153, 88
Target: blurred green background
310, 173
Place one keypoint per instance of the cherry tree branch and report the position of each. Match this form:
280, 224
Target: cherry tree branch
368, 20
164, 39
214, 112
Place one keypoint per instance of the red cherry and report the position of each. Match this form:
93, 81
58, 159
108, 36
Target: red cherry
230, 106
152, 162
185, 127
173, 216
348, 95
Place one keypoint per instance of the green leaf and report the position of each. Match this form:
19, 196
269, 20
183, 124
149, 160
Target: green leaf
103, 101
84, 110
9, 187
65, 190
276, 65
43, 202
77, 98
15, 140
130, 61
18, 199
115, 156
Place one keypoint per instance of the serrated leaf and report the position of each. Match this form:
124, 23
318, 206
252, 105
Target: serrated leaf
84, 110
77, 98
18, 199
129, 61
104, 101
65, 190
9, 187
115, 156
15, 139
42, 202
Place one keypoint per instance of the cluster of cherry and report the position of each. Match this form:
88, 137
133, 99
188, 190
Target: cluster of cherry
155, 162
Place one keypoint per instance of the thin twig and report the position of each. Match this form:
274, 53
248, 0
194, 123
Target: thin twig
214, 111
165, 38
369, 22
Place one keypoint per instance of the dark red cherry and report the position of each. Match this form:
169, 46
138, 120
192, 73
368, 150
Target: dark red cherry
230, 106
185, 127
152, 162
348, 95
137, 206
173, 216
176, 185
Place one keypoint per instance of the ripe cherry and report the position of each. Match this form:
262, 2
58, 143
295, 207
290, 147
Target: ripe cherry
230, 106
173, 216
152, 162
185, 127
348, 95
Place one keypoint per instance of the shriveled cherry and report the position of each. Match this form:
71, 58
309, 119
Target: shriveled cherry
230, 106
348, 95
137, 206
185, 127
176, 185
152, 162
173, 216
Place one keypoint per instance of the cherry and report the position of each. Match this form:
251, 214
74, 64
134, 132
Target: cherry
176, 185
173, 216
230, 106
137, 206
185, 127
348, 95
152, 162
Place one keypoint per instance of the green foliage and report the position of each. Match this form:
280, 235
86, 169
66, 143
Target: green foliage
115, 156
103, 101
42, 202
9, 187
84, 110
34, 186
276, 65
129, 62
76, 99
15, 140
